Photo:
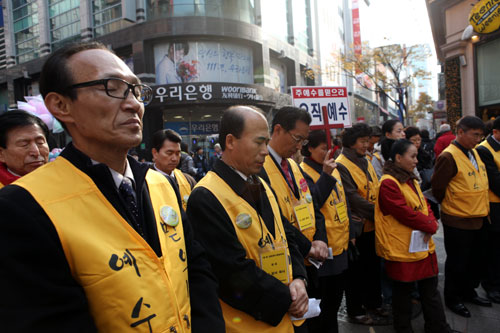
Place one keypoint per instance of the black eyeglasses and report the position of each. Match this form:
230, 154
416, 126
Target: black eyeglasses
118, 88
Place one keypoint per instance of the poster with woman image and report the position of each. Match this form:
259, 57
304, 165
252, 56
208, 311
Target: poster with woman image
184, 62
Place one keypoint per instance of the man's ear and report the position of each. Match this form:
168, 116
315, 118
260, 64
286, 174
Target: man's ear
154, 152
230, 142
59, 106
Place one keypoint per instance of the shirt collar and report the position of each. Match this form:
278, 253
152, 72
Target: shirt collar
118, 177
491, 137
275, 155
172, 174
15, 174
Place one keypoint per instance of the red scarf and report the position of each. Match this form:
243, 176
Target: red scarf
5, 176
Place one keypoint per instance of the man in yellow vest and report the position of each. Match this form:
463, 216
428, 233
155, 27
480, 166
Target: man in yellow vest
460, 184
236, 217
166, 156
289, 132
96, 241
23, 145
489, 151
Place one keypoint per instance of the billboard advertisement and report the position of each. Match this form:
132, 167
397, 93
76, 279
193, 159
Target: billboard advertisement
186, 62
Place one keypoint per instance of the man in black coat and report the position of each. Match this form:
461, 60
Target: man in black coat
489, 151
53, 283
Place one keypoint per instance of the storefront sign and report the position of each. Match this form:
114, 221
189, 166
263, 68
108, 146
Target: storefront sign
485, 16
313, 99
208, 92
197, 127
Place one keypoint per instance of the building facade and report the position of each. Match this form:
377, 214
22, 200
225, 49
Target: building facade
199, 56
469, 59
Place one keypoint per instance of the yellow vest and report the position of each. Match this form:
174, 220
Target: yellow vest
286, 198
236, 320
1, 185
496, 157
127, 286
392, 238
366, 189
467, 193
184, 187
337, 232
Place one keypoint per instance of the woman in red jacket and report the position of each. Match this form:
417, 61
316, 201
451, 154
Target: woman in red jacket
403, 216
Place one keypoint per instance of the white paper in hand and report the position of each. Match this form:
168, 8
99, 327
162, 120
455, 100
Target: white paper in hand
417, 243
313, 311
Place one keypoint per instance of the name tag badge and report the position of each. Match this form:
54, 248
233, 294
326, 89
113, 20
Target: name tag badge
275, 262
303, 216
341, 211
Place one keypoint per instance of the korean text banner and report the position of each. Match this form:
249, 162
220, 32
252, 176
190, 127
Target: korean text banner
313, 99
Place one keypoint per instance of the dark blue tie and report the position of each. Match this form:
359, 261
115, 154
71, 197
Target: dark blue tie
128, 194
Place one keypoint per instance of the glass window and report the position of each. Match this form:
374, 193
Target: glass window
241, 10
488, 73
64, 21
274, 19
300, 23
26, 30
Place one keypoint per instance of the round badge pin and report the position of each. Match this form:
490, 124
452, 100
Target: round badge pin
185, 199
243, 221
169, 216
309, 198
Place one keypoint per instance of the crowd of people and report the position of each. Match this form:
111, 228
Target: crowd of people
243, 241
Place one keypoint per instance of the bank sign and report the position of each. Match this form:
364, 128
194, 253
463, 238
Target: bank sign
206, 92
485, 16
315, 100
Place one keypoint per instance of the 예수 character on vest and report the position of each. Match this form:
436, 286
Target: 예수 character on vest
460, 184
236, 217
96, 241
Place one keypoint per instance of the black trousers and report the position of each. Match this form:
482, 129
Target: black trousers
463, 263
491, 253
432, 307
363, 278
330, 291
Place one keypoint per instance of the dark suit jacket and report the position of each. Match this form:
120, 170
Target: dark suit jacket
39, 294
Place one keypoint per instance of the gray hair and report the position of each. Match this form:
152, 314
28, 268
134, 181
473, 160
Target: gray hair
444, 128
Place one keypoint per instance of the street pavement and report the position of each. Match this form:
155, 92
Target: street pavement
483, 320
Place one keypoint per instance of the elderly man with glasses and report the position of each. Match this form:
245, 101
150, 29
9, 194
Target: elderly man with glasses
289, 132
96, 241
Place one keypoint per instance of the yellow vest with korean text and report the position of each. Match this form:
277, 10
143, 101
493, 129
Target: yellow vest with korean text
337, 232
286, 198
128, 288
392, 238
235, 206
467, 193
184, 187
496, 156
366, 189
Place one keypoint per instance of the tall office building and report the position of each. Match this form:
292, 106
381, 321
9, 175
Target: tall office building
200, 56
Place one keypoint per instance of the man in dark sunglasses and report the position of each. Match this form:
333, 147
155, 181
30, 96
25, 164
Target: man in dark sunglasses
96, 241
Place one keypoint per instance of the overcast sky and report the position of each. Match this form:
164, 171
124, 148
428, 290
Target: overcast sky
387, 22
